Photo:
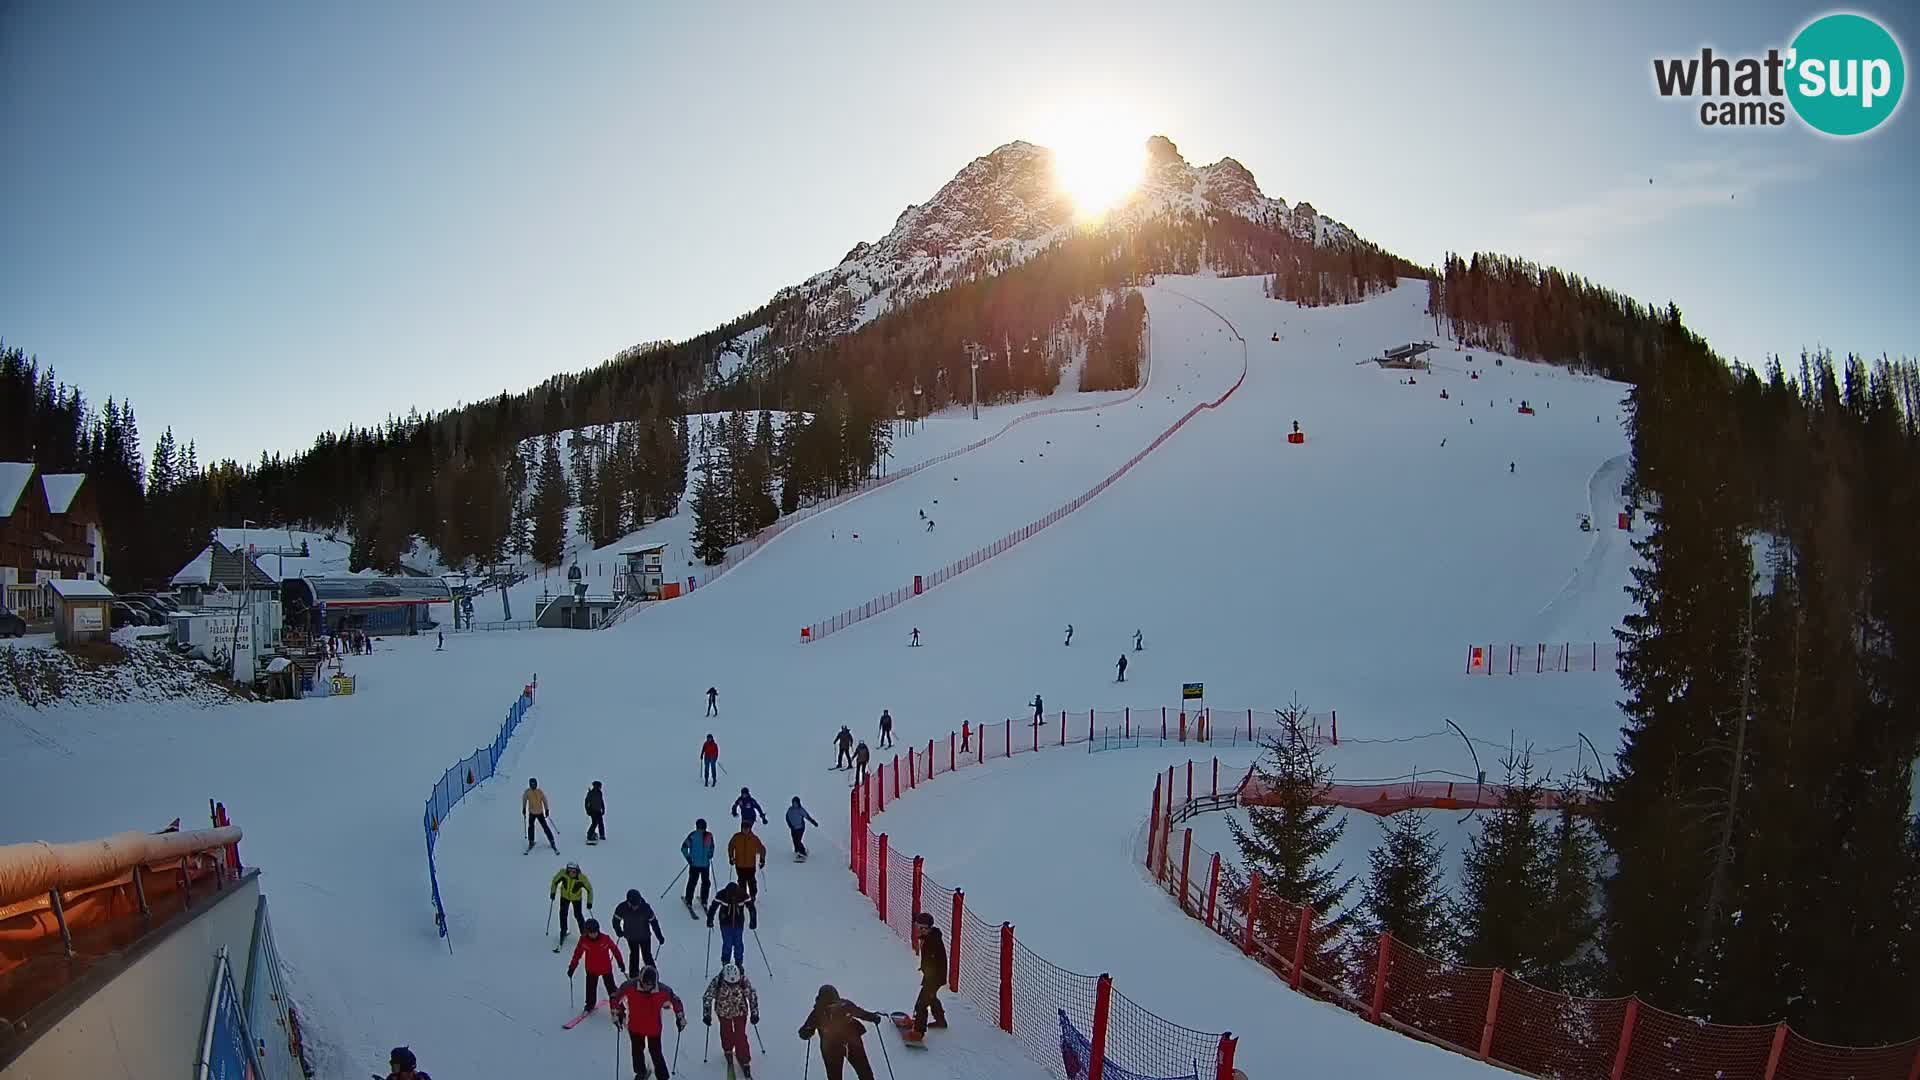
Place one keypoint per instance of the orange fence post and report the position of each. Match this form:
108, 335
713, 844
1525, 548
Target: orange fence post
1626, 1038
919, 876
1253, 912
1153, 822
1773, 1055
1006, 977
880, 902
1224, 1071
879, 782
1186, 859
1493, 1011
1213, 888
953, 953
1300, 946
1183, 725
1102, 1003
1380, 977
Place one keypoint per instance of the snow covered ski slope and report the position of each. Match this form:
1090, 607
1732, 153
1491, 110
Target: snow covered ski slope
1352, 570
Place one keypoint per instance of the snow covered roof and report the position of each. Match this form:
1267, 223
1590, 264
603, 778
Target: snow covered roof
61, 488
13, 480
198, 571
79, 589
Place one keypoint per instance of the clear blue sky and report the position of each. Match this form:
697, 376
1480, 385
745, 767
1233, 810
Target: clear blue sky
262, 220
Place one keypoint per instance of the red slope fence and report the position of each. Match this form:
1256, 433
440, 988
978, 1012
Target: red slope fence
1543, 657
1485, 1013
1039, 1003
921, 582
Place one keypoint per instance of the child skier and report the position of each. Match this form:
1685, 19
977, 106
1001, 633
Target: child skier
709, 762
747, 854
933, 975
843, 742
635, 923
797, 821
747, 808
732, 997
533, 804
596, 814
570, 885
636, 1007
841, 1033
697, 849
886, 729
603, 957
733, 906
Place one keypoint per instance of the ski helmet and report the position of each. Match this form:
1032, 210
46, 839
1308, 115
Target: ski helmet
402, 1058
649, 978
925, 918
531, 782
592, 926
743, 791
633, 896
730, 972
573, 868
826, 995
700, 823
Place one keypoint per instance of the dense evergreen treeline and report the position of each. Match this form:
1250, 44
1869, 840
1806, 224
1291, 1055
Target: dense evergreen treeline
1517, 307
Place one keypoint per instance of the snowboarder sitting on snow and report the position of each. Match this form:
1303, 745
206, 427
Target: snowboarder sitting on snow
747, 808
733, 907
797, 821
843, 742
710, 762
860, 756
841, 1033
596, 813
697, 849
933, 975
404, 1065
533, 803
634, 923
570, 885
603, 956
636, 1006
738, 1004
886, 729
746, 852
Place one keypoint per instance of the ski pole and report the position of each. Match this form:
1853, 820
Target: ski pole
569, 989
803, 1069
671, 884
677, 1032
762, 1041
549, 913
616, 1051
706, 1043
709, 969
763, 951
886, 1057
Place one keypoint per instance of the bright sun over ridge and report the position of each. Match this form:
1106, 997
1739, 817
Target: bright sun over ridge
1097, 164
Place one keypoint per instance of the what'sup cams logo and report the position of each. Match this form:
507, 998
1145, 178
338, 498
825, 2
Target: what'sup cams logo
1842, 76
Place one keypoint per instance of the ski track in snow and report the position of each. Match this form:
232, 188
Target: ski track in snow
1350, 570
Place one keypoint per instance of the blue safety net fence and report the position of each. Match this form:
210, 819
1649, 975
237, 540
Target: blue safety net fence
467, 774
1076, 1052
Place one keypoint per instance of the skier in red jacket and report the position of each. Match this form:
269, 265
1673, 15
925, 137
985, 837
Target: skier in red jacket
637, 1005
709, 761
603, 956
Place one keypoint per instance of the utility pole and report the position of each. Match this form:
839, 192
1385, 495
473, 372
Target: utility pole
973, 365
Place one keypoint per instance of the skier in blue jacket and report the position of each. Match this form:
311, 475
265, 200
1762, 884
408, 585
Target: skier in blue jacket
747, 808
797, 821
697, 849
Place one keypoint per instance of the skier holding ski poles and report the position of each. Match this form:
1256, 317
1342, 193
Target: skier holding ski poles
733, 907
571, 885
636, 1007
747, 808
533, 804
603, 958
860, 756
843, 742
737, 1003
709, 762
697, 849
635, 923
886, 729
841, 1033
748, 856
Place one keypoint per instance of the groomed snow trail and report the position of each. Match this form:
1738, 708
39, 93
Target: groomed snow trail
1352, 570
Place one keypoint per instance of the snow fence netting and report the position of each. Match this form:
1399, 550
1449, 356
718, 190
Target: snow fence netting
463, 777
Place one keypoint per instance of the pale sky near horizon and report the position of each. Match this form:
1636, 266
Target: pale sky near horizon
258, 222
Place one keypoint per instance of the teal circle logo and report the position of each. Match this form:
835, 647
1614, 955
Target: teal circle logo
1846, 74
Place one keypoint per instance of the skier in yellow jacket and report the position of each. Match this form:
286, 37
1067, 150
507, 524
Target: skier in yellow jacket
748, 855
571, 885
533, 804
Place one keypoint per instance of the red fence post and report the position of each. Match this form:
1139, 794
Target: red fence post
930, 760
1227, 1044
1102, 1003
919, 876
1163, 723
1380, 977
879, 782
1493, 1011
1914, 1074
1300, 946
1063, 727
1089, 725
1253, 912
953, 952
1336, 726
1009, 737
1213, 888
1153, 823
880, 903
1186, 858
1773, 1055
1037, 721
1183, 725
1006, 977
1626, 1038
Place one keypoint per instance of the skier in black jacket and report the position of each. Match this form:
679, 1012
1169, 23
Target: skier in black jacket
843, 742
634, 922
596, 814
838, 1022
933, 975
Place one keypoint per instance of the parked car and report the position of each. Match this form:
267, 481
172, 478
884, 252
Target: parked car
125, 614
166, 604
11, 625
156, 615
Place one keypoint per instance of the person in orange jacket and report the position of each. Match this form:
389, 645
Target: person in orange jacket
637, 1005
748, 855
602, 957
